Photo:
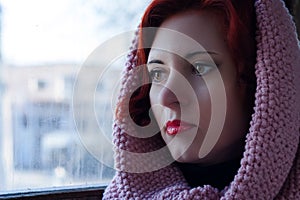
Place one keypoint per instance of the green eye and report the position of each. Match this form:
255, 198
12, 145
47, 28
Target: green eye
157, 75
200, 68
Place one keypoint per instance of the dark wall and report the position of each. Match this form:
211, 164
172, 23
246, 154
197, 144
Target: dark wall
294, 7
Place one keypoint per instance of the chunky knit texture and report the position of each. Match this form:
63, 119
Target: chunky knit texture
270, 167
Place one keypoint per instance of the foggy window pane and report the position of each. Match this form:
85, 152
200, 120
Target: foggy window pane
43, 46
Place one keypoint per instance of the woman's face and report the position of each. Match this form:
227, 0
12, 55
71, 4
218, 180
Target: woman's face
195, 90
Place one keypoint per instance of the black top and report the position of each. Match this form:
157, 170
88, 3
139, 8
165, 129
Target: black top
218, 176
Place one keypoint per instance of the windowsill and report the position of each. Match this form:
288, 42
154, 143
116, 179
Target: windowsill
82, 192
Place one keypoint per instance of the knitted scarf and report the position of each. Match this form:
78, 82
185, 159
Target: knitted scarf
270, 167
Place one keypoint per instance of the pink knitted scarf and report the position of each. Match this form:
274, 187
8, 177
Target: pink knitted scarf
270, 167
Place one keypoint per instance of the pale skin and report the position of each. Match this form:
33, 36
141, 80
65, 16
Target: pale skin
166, 68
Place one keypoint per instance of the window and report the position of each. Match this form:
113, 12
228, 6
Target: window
46, 137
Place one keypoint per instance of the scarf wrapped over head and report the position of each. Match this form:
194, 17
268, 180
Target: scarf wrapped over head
270, 166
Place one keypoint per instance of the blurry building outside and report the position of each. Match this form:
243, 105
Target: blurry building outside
40, 146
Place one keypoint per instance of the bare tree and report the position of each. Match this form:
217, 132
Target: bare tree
117, 14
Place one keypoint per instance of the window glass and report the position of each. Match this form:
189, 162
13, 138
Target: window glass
47, 137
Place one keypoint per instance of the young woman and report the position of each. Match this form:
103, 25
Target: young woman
208, 107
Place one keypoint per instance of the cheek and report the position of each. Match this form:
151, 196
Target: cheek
154, 101
156, 108
152, 95
238, 112
204, 103
236, 123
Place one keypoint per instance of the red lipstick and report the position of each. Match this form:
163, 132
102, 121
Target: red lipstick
175, 126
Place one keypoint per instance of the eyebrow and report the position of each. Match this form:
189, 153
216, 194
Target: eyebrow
156, 61
188, 56
200, 52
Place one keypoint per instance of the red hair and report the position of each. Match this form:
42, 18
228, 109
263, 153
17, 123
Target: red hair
239, 29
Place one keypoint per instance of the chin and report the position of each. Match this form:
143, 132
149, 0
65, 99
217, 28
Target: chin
187, 158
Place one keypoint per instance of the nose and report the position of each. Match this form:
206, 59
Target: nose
168, 98
174, 93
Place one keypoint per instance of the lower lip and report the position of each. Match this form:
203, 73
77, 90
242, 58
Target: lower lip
176, 126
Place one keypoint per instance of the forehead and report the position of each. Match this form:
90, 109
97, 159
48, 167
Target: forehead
190, 31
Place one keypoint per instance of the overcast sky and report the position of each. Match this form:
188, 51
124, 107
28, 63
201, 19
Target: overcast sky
62, 31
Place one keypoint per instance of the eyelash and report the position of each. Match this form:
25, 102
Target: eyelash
208, 67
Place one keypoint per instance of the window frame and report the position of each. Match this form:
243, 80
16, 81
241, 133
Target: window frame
76, 192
